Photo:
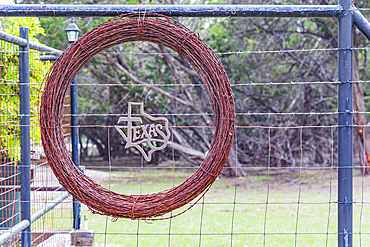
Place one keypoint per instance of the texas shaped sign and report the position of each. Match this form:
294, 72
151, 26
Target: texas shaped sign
145, 134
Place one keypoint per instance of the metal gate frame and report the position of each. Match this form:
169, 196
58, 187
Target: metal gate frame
24, 227
347, 14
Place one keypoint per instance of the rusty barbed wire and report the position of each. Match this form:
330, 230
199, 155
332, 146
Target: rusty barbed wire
129, 28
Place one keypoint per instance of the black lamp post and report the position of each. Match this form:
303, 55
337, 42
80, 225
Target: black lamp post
72, 32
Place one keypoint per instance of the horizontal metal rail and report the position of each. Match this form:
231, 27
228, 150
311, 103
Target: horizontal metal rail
174, 10
40, 188
44, 48
42, 211
33, 45
361, 23
13, 39
48, 58
6, 235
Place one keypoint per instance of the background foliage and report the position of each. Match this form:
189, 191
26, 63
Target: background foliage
9, 84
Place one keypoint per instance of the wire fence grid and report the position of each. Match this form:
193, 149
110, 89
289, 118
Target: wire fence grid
44, 186
275, 204
234, 205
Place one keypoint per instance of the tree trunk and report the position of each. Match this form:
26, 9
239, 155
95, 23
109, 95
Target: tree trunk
361, 133
234, 165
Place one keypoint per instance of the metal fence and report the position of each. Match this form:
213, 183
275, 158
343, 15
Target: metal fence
347, 15
29, 190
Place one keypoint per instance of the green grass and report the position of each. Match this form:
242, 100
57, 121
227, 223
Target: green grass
211, 224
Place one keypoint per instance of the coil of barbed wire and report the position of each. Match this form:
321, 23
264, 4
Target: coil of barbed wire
146, 27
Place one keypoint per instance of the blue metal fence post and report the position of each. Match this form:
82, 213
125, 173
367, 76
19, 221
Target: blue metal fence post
25, 165
345, 123
72, 32
74, 137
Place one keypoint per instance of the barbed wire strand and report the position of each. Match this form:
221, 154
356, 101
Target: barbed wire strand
209, 127
249, 83
197, 114
218, 53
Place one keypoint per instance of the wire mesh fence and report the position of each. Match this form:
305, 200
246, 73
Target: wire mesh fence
44, 186
10, 198
280, 186
288, 195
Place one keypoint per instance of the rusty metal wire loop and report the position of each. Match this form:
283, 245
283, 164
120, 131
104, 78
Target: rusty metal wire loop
130, 28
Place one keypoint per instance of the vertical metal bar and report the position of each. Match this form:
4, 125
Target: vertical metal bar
74, 137
25, 165
345, 122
